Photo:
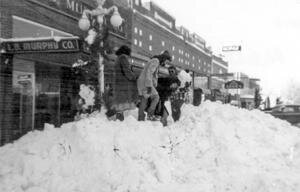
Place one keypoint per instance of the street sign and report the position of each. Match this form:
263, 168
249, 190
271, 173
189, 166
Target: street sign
232, 48
234, 84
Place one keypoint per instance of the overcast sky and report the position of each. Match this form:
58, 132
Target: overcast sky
268, 30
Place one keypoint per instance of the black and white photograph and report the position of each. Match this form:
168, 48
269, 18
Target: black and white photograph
149, 96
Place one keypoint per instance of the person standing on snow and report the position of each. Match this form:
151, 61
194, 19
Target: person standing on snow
147, 83
165, 87
124, 85
180, 96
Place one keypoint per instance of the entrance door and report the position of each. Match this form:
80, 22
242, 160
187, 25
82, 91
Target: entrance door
23, 97
47, 95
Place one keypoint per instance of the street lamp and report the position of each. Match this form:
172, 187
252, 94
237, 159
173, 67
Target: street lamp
93, 21
91, 18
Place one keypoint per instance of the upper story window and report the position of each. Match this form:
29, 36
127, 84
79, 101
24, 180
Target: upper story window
163, 43
140, 43
135, 30
173, 48
150, 37
135, 41
26, 28
137, 2
141, 32
150, 47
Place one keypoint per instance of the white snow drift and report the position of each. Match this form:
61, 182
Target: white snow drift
214, 147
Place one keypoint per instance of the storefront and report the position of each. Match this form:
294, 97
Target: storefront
39, 44
44, 88
40, 41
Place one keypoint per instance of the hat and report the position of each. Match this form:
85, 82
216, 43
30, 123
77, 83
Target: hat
166, 55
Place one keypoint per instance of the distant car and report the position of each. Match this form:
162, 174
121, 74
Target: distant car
290, 113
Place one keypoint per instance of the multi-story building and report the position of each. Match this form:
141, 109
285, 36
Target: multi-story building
219, 71
154, 30
36, 85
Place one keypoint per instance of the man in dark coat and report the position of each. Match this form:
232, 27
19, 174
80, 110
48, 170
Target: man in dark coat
125, 91
165, 87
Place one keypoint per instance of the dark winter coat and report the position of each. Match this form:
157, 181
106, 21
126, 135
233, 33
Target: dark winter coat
164, 87
125, 90
164, 90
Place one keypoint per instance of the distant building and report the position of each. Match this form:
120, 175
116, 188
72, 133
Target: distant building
154, 30
247, 94
219, 66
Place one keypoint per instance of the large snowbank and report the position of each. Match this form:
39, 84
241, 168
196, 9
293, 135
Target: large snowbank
214, 147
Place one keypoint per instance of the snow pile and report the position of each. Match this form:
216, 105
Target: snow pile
214, 147
87, 93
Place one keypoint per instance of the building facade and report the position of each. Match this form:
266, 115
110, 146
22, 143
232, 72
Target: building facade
154, 30
41, 40
219, 67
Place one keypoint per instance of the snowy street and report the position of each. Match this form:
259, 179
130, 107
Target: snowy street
214, 147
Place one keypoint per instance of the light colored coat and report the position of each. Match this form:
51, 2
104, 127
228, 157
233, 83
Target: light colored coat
148, 78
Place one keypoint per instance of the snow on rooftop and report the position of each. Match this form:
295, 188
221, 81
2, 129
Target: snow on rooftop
213, 147
157, 23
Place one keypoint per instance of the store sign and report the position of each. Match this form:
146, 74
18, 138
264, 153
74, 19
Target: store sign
64, 45
234, 85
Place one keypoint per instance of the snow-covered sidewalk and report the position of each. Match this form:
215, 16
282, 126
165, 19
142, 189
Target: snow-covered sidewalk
213, 147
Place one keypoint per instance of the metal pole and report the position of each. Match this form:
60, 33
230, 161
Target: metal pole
101, 77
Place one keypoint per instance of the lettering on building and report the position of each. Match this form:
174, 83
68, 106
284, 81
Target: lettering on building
41, 46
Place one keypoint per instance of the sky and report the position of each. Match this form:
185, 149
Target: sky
267, 30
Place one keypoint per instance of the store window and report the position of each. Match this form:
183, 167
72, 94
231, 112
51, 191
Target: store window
26, 28
37, 86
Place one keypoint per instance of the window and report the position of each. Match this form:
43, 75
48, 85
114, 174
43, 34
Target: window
150, 37
137, 2
140, 43
163, 43
173, 48
193, 58
26, 28
173, 57
141, 32
150, 47
135, 41
135, 30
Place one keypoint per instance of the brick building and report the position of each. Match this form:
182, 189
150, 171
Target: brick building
154, 30
36, 82
36, 85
